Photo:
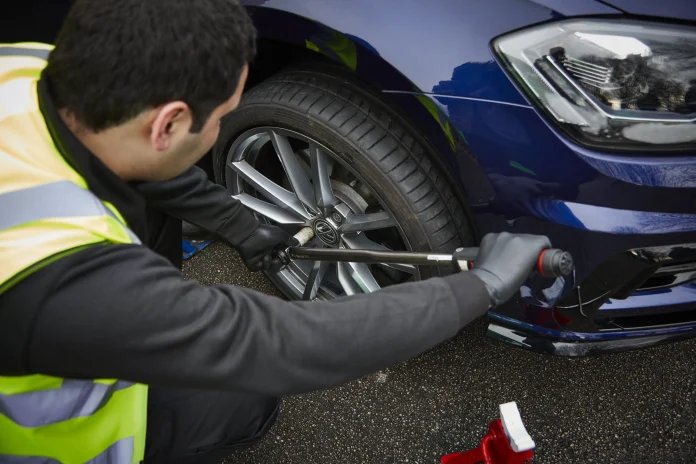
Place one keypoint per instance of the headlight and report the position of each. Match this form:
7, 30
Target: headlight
617, 85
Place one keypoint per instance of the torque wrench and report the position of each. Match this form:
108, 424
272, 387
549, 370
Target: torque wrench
552, 262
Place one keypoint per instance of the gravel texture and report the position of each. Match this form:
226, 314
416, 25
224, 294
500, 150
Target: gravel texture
637, 407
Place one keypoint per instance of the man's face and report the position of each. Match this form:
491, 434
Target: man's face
184, 148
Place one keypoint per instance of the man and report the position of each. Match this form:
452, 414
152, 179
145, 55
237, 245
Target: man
108, 355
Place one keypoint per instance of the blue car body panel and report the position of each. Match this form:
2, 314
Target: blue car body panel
433, 62
424, 43
672, 9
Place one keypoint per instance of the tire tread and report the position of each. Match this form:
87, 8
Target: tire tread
368, 123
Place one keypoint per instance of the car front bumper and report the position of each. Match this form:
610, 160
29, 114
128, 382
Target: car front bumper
629, 291
575, 344
628, 220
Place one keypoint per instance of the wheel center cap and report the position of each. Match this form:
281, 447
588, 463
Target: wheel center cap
326, 232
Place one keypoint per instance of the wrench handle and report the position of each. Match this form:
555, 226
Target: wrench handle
552, 262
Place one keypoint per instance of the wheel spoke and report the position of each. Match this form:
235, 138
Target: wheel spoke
343, 209
314, 279
369, 221
361, 242
361, 274
269, 189
322, 182
345, 278
268, 210
296, 174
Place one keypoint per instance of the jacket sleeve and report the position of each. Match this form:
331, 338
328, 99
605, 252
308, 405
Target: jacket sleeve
121, 311
193, 198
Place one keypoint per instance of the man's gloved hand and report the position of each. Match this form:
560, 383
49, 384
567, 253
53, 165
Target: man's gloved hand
505, 261
256, 250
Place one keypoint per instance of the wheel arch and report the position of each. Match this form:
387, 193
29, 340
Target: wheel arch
308, 43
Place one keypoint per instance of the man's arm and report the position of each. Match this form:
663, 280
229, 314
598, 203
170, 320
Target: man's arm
193, 198
121, 311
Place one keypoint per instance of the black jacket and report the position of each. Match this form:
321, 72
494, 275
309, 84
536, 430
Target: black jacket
122, 311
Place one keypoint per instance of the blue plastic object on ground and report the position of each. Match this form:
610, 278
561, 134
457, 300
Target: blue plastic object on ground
191, 247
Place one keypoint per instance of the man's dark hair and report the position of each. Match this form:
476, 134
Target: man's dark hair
114, 59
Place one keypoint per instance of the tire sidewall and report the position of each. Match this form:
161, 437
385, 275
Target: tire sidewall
252, 114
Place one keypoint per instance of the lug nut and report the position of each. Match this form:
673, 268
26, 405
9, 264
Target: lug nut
336, 217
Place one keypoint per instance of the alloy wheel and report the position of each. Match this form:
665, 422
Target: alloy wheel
293, 181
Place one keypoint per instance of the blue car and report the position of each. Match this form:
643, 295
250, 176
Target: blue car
412, 125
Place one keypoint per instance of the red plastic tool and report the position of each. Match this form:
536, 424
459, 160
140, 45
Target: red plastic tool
495, 447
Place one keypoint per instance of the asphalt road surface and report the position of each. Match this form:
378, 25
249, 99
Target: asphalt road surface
637, 407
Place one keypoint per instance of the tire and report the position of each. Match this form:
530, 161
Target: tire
395, 161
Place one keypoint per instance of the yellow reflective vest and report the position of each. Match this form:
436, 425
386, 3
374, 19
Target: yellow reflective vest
47, 212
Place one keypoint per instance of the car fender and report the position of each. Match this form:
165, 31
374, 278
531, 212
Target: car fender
428, 52
423, 43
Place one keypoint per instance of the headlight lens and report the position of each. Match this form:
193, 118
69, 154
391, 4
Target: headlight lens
618, 85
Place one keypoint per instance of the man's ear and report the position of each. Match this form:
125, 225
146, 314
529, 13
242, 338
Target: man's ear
171, 122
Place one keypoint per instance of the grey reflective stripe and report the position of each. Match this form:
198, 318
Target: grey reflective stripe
57, 199
74, 398
26, 460
25, 51
54, 200
120, 452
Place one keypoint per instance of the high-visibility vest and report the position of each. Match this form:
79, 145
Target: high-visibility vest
46, 213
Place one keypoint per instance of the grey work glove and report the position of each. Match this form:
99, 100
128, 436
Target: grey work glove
505, 261
257, 250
